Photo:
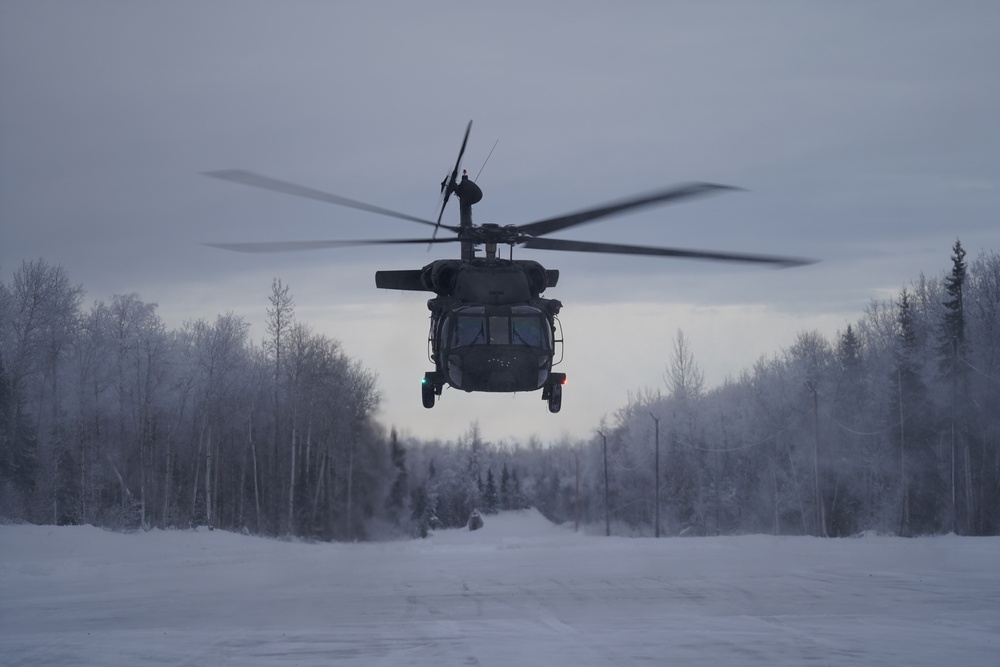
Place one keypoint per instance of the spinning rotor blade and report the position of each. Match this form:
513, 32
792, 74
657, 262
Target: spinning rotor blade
448, 185
266, 183
294, 246
618, 249
674, 193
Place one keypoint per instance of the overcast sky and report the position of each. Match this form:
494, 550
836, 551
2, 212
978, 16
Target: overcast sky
866, 134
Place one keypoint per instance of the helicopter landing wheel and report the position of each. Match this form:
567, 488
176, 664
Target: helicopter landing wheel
552, 391
427, 394
431, 387
555, 398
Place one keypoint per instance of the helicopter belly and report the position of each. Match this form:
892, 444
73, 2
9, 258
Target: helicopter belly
498, 368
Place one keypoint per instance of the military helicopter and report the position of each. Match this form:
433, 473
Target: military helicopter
490, 328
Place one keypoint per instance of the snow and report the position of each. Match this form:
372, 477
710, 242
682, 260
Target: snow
519, 591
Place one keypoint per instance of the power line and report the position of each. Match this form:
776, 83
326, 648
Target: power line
983, 373
913, 410
749, 445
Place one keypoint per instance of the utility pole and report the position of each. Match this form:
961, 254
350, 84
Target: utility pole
954, 399
607, 515
904, 508
656, 421
820, 513
576, 504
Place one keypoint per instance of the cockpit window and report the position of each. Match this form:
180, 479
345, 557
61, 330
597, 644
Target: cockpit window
527, 330
499, 331
529, 327
469, 330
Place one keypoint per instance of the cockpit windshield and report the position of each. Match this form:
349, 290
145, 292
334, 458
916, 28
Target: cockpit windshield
516, 325
528, 327
469, 328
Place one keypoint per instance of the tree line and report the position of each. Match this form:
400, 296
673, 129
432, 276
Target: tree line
107, 417
892, 426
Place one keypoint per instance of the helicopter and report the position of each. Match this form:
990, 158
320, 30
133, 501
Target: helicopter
491, 330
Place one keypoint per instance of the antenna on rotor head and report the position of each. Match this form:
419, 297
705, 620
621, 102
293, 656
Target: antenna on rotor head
486, 160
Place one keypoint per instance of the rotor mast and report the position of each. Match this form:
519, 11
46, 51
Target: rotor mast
468, 194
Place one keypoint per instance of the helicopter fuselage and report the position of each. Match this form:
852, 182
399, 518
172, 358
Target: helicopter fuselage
491, 348
490, 328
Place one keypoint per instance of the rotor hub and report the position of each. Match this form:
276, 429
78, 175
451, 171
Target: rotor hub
468, 192
491, 233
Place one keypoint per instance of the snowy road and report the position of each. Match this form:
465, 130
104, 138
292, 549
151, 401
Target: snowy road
518, 592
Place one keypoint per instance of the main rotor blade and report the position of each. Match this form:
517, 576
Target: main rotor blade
449, 184
267, 183
673, 193
618, 249
295, 246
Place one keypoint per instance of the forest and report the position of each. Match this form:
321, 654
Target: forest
109, 418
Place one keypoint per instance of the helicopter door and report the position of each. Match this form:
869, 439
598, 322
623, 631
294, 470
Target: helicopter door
462, 329
531, 331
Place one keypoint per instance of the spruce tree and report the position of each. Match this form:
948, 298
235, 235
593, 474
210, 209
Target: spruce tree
951, 354
505, 503
952, 344
849, 351
491, 500
400, 485
853, 394
517, 499
920, 478
423, 514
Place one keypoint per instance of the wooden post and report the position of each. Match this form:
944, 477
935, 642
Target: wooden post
656, 421
820, 513
954, 399
607, 514
576, 504
904, 505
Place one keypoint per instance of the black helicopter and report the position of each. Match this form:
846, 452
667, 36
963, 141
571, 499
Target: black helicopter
491, 330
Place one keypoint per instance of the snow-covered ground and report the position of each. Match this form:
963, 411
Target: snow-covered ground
519, 592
